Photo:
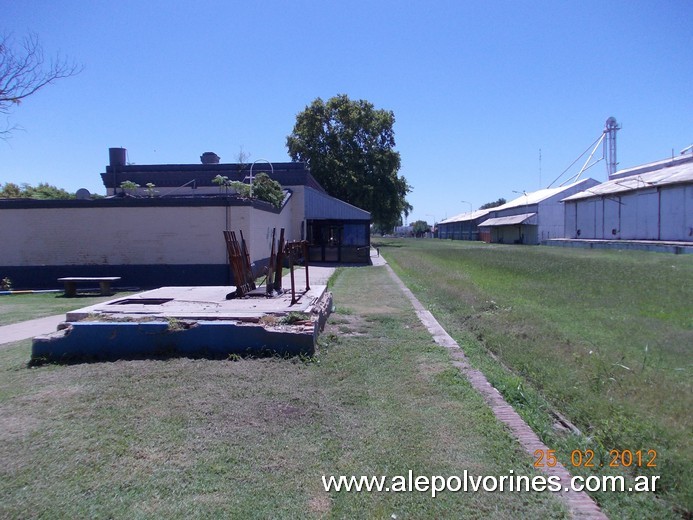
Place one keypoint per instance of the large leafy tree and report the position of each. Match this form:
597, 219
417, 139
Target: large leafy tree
349, 147
420, 227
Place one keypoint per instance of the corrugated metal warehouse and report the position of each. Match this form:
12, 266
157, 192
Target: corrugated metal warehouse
532, 217
650, 202
464, 226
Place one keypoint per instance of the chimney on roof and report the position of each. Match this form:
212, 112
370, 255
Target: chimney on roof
210, 158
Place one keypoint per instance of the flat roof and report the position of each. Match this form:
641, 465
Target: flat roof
540, 195
649, 167
464, 217
177, 175
679, 173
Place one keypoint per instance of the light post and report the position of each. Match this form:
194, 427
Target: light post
470, 205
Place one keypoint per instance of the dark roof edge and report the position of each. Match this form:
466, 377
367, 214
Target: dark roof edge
138, 202
223, 167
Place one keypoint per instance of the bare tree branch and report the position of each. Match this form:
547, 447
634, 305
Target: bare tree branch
24, 70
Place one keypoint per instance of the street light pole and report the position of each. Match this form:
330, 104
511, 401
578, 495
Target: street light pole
470, 205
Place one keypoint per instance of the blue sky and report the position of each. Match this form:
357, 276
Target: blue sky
477, 88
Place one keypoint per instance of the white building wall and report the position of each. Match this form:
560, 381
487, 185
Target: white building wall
611, 219
676, 213
112, 236
134, 236
570, 220
586, 219
639, 215
261, 227
550, 219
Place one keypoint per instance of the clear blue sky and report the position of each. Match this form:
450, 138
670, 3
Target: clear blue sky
477, 88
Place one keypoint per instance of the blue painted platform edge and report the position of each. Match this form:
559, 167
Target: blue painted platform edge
101, 341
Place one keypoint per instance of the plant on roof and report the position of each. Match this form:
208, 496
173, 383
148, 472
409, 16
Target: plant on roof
222, 181
129, 186
241, 188
150, 189
264, 188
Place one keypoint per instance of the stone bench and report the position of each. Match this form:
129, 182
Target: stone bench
104, 283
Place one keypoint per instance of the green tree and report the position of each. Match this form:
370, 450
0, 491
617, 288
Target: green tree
420, 227
349, 147
488, 205
26, 191
10, 191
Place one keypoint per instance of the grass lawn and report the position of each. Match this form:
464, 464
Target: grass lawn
20, 307
603, 337
188, 438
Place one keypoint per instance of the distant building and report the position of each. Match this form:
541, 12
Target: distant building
464, 226
649, 202
404, 231
532, 217
171, 234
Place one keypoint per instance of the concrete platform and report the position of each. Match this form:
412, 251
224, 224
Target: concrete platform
191, 322
658, 246
199, 303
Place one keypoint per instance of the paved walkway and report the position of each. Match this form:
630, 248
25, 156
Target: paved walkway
29, 329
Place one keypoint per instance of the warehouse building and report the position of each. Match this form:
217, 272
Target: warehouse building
531, 218
464, 226
651, 202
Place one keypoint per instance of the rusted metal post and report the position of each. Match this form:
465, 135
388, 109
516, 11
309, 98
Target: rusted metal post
270, 270
305, 259
280, 260
293, 285
237, 264
250, 277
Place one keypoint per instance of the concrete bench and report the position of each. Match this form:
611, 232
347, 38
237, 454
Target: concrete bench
104, 283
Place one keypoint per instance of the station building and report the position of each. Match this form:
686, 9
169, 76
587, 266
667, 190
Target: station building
171, 233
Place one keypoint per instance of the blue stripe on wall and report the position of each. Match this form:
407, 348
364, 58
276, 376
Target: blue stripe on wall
142, 276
